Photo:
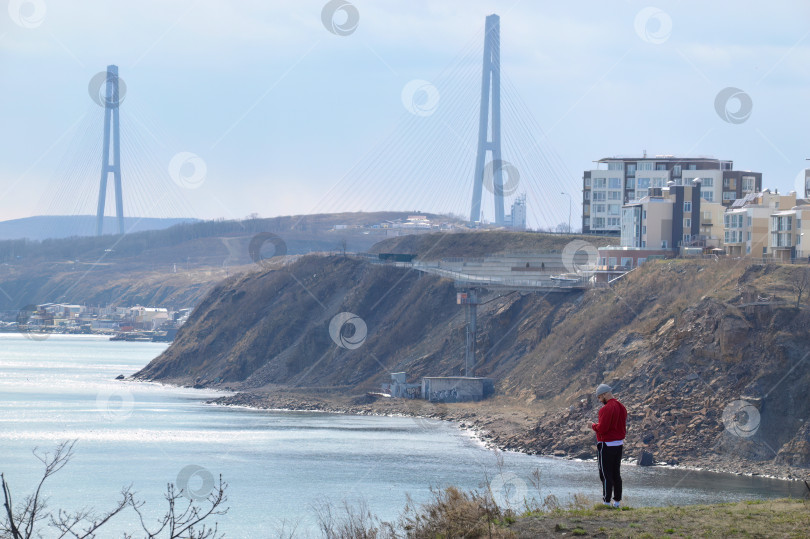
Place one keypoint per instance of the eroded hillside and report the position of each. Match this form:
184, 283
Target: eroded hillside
710, 357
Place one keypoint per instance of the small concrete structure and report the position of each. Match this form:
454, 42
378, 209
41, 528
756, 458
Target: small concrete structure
456, 388
400, 388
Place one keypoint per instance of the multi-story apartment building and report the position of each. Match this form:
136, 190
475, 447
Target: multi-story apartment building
786, 235
666, 218
747, 222
619, 180
712, 223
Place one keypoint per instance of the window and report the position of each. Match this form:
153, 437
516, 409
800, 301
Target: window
587, 221
598, 222
630, 183
630, 168
676, 170
749, 236
707, 182
613, 209
627, 262
687, 223
643, 183
707, 195
644, 243
614, 195
660, 166
614, 183
748, 250
749, 220
599, 195
725, 165
748, 184
599, 183
692, 167
659, 182
612, 261
663, 244
729, 195
644, 216
733, 220
645, 165
587, 195
614, 221
615, 165
687, 207
687, 238
587, 182
641, 193
782, 240
707, 216
599, 208
644, 229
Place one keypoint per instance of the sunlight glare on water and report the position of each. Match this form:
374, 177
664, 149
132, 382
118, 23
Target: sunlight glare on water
277, 464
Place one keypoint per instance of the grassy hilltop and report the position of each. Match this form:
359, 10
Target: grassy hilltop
174, 266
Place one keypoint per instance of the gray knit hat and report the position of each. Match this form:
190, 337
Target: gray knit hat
603, 388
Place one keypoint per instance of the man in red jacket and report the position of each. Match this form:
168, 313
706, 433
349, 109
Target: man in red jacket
610, 432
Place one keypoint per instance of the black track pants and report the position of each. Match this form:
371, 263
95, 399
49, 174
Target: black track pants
609, 459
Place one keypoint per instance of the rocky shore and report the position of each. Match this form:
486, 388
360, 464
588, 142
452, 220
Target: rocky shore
508, 425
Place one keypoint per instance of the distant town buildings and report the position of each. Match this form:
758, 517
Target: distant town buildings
69, 317
418, 223
409, 225
620, 180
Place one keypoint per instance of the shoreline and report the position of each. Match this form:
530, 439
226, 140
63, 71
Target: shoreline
490, 441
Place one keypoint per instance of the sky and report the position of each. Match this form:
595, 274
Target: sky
269, 107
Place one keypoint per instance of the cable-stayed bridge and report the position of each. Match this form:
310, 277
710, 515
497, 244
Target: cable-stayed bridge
467, 145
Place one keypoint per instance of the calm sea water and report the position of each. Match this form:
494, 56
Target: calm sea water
277, 464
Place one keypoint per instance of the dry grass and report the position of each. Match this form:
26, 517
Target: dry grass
482, 243
452, 513
772, 518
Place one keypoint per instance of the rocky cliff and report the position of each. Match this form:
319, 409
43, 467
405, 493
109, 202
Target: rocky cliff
710, 357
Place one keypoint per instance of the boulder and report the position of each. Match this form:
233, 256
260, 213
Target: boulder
646, 459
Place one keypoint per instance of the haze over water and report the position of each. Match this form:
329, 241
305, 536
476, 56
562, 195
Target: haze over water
277, 464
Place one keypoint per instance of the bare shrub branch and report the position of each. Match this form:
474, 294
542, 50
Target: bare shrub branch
183, 519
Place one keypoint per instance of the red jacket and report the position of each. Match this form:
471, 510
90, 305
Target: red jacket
612, 424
